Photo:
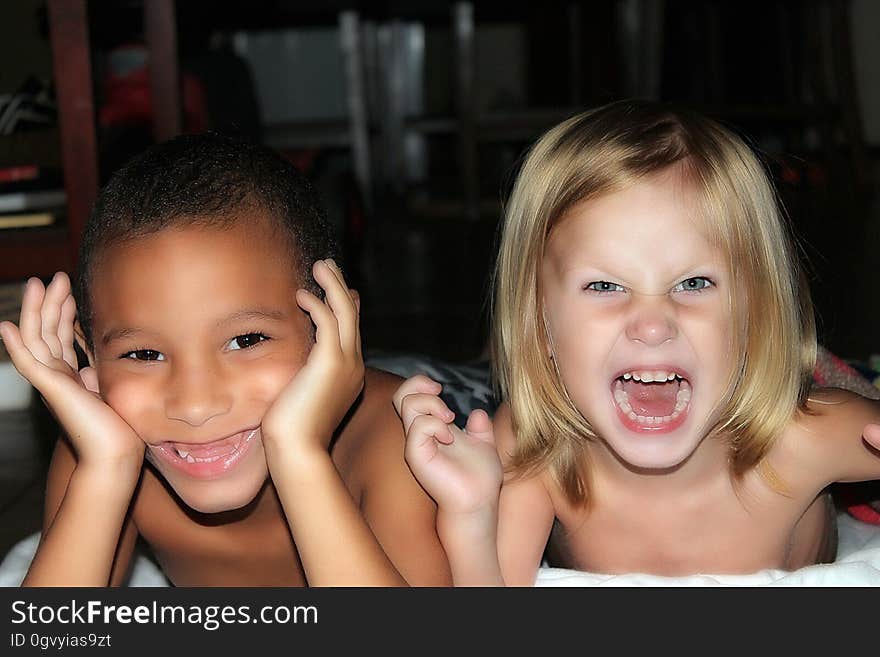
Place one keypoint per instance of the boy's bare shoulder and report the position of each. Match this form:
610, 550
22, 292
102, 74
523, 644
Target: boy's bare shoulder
373, 431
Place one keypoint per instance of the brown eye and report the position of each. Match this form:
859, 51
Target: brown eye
246, 341
144, 354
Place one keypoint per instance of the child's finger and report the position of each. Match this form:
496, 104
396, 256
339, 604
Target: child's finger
418, 404
89, 378
871, 434
65, 331
356, 299
327, 274
414, 384
22, 358
30, 320
50, 312
326, 327
479, 426
425, 430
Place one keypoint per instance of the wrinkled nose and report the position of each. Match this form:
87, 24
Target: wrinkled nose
652, 323
196, 395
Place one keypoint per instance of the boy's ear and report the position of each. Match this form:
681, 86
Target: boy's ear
82, 344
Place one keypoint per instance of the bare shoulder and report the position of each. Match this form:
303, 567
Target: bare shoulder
506, 444
370, 457
373, 434
505, 438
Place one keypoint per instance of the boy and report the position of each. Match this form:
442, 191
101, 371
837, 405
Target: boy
272, 457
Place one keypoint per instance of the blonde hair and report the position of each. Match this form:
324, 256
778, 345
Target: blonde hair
608, 149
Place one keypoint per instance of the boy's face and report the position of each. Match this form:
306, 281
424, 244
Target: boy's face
196, 331
636, 302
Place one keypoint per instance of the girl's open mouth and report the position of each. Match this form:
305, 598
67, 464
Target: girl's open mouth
651, 400
206, 460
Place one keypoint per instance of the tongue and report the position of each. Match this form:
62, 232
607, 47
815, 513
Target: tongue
651, 399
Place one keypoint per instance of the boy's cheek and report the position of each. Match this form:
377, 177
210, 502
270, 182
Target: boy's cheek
272, 380
132, 401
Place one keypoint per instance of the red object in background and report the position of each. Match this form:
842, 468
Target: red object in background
127, 95
19, 173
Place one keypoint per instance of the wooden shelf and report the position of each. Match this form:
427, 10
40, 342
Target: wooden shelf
42, 251
35, 252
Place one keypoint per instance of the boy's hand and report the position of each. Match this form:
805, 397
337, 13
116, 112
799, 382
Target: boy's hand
309, 409
461, 470
41, 348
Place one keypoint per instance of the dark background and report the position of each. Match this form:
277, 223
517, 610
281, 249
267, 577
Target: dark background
797, 79
451, 95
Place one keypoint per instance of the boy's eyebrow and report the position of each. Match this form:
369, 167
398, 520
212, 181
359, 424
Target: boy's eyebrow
240, 316
119, 334
249, 315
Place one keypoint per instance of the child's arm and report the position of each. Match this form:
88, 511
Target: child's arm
525, 516
462, 472
490, 539
335, 545
78, 544
843, 434
61, 468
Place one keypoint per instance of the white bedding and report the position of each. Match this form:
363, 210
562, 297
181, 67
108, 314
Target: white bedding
857, 564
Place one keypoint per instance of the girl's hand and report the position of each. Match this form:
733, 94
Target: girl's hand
310, 408
461, 470
41, 348
871, 434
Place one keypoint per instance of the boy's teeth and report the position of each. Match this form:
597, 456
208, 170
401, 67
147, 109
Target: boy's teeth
181, 453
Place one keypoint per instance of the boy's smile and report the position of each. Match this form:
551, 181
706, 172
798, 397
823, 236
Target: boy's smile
636, 303
211, 459
196, 332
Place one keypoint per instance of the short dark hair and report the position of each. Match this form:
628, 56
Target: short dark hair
202, 180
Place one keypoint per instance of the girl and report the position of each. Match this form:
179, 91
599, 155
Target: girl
653, 343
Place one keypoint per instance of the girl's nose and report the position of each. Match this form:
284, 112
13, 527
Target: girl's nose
652, 323
196, 395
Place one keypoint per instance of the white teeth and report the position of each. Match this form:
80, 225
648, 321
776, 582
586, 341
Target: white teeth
682, 399
649, 376
236, 445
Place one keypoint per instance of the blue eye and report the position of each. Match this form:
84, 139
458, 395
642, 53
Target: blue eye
604, 287
245, 341
695, 284
144, 354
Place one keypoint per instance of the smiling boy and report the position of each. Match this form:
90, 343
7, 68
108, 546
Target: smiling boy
225, 416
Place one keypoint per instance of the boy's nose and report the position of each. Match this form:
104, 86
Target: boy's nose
652, 323
195, 397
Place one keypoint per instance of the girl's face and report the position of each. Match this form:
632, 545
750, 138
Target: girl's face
636, 305
196, 332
